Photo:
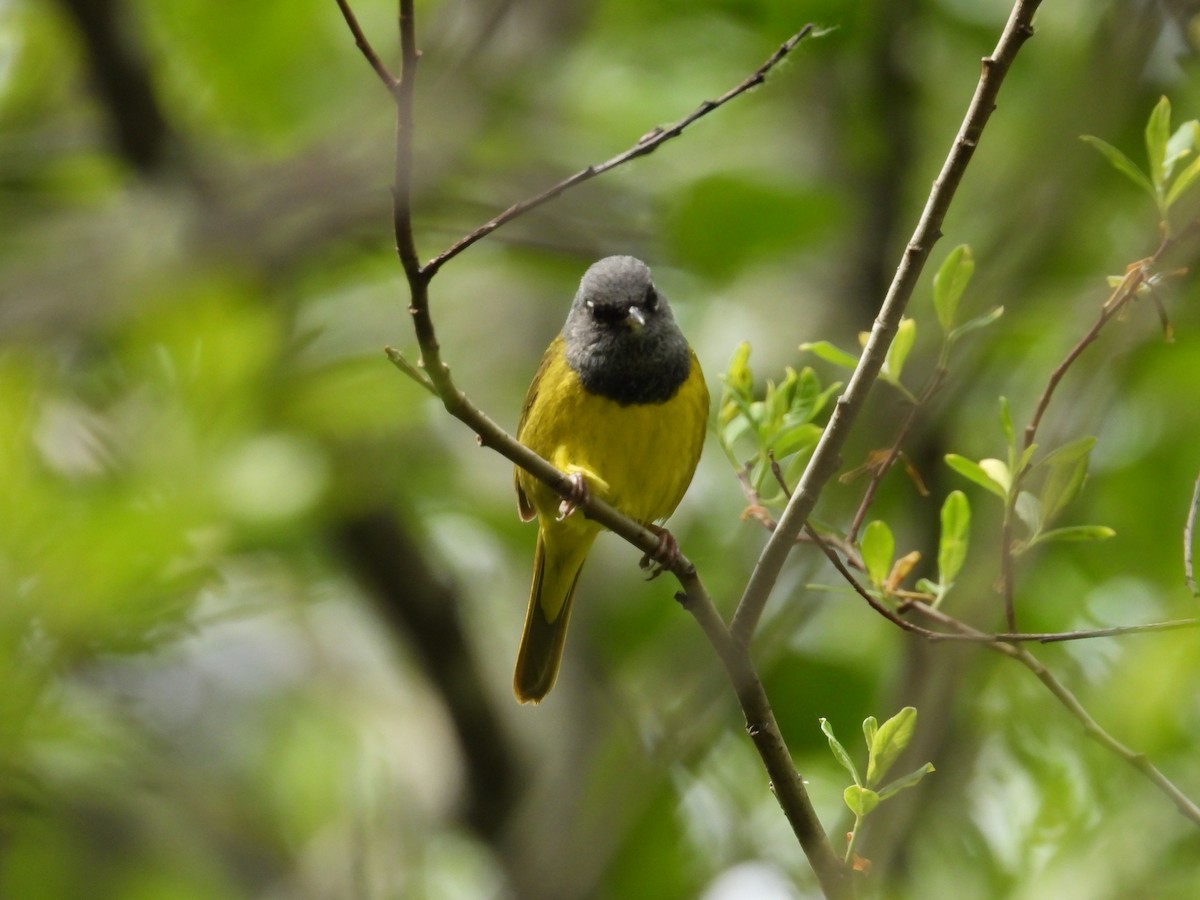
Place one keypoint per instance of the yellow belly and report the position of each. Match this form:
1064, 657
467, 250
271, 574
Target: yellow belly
640, 457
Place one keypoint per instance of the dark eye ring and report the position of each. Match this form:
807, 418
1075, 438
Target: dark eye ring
651, 300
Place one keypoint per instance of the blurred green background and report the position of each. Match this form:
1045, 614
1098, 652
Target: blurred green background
260, 597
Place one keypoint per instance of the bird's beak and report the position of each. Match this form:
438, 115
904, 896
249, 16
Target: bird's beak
635, 318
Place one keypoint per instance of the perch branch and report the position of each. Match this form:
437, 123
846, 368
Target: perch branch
786, 782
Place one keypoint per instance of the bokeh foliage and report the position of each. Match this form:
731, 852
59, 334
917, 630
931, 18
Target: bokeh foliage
259, 597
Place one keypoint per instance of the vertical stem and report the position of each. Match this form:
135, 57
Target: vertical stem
825, 459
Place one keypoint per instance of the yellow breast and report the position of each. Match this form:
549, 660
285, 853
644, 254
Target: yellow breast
640, 457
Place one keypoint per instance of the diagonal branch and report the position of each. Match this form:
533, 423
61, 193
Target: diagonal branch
646, 144
826, 458
390, 81
1091, 727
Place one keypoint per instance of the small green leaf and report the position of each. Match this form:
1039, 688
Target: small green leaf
1158, 133
738, 376
860, 800
1007, 423
950, 283
1184, 181
973, 471
1026, 456
878, 547
907, 781
734, 429
1121, 163
1068, 467
839, 752
890, 740
998, 471
897, 353
925, 586
1029, 511
794, 438
1077, 533
956, 525
976, 323
1069, 452
870, 726
1180, 146
831, 354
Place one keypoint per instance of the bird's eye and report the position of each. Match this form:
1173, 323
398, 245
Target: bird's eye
650, 302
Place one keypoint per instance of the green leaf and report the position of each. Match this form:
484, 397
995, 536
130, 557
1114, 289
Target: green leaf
1185, 180
793, 439
870, 726
738, 376
949, 284
860, 800
973, 471
998, 471
1068, 467
976, 323
831, 354
890, 740
1007, 423
878, 547
1158, 133
1181, 144
1026, 456
952, 546
734, 429
907, 781
897, 353
1069, 452
1077, 533
1029, 511
1121, 163
839, 752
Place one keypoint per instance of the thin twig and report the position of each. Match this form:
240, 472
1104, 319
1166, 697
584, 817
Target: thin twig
826, 457
965, 633
397, 359
1091, 727
389, 80
646, 144
1137, 276
879, 471
1189, 538
1087, 634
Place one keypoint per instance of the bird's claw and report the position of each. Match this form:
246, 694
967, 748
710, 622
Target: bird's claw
665, 555
578, 494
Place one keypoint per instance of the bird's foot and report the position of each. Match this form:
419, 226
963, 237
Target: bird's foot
665, 555
578, 495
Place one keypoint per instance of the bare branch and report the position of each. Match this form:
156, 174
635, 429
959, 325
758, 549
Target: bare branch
1189, 539
390, 81
786, 782
646, 144
826, 458
1091, 727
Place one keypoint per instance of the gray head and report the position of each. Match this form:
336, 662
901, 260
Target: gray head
620, 335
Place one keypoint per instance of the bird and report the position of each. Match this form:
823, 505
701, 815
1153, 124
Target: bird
619, 404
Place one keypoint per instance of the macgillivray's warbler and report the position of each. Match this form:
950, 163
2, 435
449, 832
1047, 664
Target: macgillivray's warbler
619, 404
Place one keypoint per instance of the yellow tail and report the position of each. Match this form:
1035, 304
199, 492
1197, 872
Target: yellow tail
555, 573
